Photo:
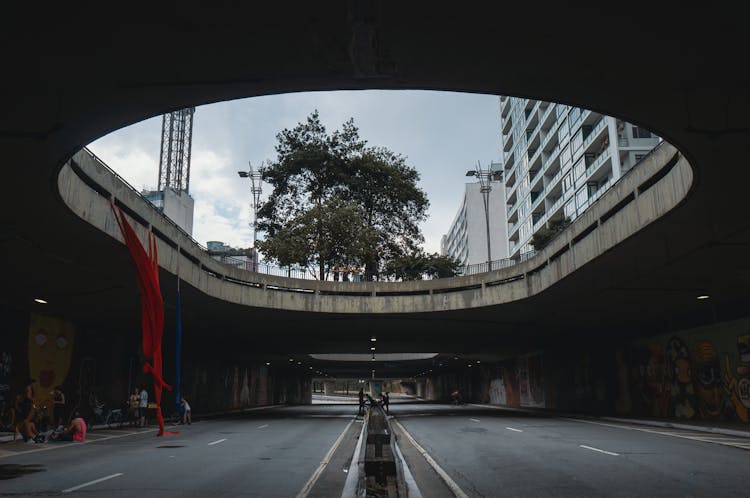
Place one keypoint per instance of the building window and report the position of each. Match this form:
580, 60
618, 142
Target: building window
562, 132
574, 116
567, 182
577, 142
570, 209
582, 199
565, 157
579, 169
639, 132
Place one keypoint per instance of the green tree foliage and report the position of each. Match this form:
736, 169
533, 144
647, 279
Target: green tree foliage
418, 265
332, 233
542, 237
336, 201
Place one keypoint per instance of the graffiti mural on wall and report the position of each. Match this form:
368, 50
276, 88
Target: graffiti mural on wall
707, 373
6, 363
694, 375
50, 350
737, 387
530, 380
682, 393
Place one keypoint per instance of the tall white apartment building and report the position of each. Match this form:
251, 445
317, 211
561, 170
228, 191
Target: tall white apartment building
558, 159
466, 239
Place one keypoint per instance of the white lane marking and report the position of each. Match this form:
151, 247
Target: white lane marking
352, 475
217, 442
412, 490
474, 420
95, 481
327, 458
443, 475
56, 446
263, 426
699, 438
597, 449
514, 430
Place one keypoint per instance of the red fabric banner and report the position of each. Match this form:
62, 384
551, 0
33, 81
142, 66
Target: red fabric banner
152, 305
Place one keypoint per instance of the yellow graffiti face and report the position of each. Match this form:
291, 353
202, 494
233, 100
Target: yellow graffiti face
50, 351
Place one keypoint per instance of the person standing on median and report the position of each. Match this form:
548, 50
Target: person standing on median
187, 417
142, 405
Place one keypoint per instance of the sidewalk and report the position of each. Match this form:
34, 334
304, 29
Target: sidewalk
714, 427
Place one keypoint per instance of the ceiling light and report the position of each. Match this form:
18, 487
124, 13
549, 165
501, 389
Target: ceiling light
40, 301
268, 363
299, 363
372, 348
373, 339
310, 368
703, 296
469, 365
479, 361
291, 359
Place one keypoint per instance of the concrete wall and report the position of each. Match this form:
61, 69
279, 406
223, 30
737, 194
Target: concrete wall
94, 363
518, 282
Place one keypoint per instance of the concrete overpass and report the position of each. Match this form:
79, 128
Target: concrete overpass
75, 75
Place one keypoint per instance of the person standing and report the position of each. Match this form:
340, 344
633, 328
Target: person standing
386, 401
133, 403
142, 405
361, 401
58, 406
187, 417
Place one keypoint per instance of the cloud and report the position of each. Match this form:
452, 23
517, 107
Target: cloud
442, 134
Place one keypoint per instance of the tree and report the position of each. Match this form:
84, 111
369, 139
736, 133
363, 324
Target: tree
545, 234
419, 265
320, 180
331, 234
386, 188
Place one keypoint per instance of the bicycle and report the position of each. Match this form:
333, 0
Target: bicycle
109, 418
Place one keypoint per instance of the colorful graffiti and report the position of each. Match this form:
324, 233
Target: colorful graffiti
689, 378
50, 350
530, 381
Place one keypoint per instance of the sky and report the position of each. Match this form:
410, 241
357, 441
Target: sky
441, 134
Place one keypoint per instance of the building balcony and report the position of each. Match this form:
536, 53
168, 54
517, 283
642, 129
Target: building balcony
595, 133
597, 163
507, 124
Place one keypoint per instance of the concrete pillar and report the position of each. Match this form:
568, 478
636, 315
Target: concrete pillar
329, 387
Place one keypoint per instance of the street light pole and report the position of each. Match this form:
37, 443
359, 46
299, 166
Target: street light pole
255, 191
485, 187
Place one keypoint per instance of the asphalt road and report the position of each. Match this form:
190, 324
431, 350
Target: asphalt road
307, 451
490, 452
270, 453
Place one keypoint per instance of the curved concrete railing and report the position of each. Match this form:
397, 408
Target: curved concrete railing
647, 192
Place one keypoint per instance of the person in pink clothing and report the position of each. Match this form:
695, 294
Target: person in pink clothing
76, 430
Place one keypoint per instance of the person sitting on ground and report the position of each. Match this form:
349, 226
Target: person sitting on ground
76, 430
26, 425
187, 417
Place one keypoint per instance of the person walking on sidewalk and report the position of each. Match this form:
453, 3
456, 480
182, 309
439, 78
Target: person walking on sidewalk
142, 405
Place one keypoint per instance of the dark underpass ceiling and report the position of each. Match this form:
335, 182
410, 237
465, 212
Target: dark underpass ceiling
74, 75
